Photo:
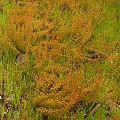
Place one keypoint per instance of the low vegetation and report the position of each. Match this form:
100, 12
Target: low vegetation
59, 60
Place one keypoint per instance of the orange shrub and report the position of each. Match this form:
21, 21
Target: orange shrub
25, 23
22, 25
58, 88
57, 96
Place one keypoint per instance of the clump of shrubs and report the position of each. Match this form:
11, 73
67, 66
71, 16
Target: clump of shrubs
55, 36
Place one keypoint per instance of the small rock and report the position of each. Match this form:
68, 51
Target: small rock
0, 98
5, 113
8, 99
20, 61
111, 62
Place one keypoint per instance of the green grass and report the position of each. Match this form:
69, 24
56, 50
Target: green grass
18, 88
18, 85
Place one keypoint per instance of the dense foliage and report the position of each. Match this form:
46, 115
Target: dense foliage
76, 58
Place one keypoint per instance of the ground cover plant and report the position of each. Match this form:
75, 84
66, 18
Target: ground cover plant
71, 68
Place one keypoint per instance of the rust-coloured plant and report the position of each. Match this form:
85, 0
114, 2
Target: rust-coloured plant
57, 96
23, 27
